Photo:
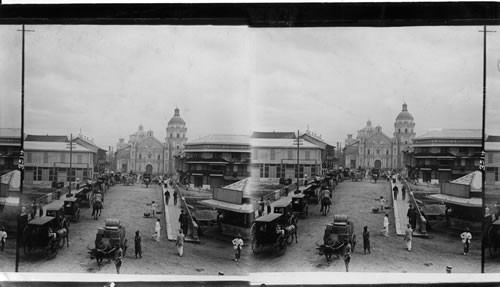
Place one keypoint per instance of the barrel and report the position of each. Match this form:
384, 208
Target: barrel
112, 222
340, 218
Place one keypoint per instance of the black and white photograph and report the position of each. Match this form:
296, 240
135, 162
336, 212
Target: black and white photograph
238, 150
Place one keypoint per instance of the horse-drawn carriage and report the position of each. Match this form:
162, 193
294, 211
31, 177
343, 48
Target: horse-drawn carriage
44, 233
128, 179
55, 208
310, 192
336, 237
270, 230
299, 205
83, 196
108, 240
72, 209
493, 238
146, 179
356, 176
283, 205
375, 174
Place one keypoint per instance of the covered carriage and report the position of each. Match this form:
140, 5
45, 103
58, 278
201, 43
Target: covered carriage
108, 240
270, 231
41, 234
72, 209
299, 205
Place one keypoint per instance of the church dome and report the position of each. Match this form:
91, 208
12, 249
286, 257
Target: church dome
176, 119
404, 115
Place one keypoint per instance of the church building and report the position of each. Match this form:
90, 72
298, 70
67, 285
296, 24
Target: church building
374, 149
144, 153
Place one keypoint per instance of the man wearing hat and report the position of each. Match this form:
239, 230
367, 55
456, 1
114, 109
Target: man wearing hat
237, 244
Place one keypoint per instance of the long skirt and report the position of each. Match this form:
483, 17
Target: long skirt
180, 249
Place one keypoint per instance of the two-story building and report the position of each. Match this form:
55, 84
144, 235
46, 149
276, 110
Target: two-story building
276, 157
216, 160
327, 151
445, 154
100, 160
51, 158
492, 159
10, 145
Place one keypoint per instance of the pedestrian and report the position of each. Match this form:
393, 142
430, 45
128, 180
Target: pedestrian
268, 205
167, 196
410, 214
237, 244
396, 191
385, 230
180, 242
183, 221
366, 239
261, 206
118, 259
175, 197
153, 208
33, 209
413, 219
408, 236
382, 203
156, 235
466, 238
403, 192
137, 243
286, 190
347, 256
40, 209
3, 237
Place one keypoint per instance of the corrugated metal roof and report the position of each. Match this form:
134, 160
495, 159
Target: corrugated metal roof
53, 146
222, 139
452, 134
273, 135
469, 202
283, 143
474, 179
492, 138
239, 208
492, 146
46, 138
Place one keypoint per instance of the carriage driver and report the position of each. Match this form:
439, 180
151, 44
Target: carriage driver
52, 234
279, 230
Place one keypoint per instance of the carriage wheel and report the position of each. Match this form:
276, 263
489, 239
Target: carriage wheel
255, 247
281, 246
52, 250
353, 243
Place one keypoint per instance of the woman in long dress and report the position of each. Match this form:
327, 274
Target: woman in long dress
156, 235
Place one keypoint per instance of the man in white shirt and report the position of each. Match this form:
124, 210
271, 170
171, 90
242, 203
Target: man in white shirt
466, 238
237, 244
385, 230
3, 237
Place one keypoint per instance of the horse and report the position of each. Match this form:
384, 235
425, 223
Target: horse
291, 232
63, 235
103, 249
97, 209
325, 204
334, 248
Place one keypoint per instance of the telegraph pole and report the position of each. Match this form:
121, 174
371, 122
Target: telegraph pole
70, 162
482, 166
298, 156
21, 152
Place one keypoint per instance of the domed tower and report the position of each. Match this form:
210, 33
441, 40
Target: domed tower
176, 138
403, 133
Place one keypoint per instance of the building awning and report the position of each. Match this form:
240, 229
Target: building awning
239, 208
468, 202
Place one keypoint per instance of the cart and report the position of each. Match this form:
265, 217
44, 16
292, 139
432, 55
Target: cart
299, 205
72, 209
108, 240
265, 234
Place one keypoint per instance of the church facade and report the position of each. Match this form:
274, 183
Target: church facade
144, 153
372, 148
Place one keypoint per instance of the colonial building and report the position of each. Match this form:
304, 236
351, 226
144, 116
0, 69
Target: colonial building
100, 162
10, 145
50, 158
327, 150
492, 159
274, 156
144, 153
445, 154
216, 160
372, 148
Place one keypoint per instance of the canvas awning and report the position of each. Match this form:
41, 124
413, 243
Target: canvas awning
13, 179
469, 202
239, 208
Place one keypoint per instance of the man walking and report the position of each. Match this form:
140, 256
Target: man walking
347, 256
237, 244
261, 206
411, 216
385, 230
366, 239
180, 243
268, 205
466, 238
3, 237
183, 221
118, 259
396, 191
408, 236
382, 203
156, 235
137, 243
167, 196
40, 209
175, 196
403, 192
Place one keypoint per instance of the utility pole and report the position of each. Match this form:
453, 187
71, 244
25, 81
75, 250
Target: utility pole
70, 146
298, 142
21, 152
482, 166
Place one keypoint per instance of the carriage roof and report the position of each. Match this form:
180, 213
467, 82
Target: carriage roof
299, 195
41, 220
282, 202
71, 199
55, 205
269, 217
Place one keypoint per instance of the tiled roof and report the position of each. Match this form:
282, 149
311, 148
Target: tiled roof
222, 139
273, 135
53, 146
451, 134
46, 138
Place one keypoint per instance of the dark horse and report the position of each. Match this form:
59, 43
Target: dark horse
103, 249
325, 205
97, 209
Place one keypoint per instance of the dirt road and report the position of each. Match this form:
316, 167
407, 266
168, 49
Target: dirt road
356, 199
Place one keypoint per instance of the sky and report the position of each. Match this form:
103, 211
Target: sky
107, 80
